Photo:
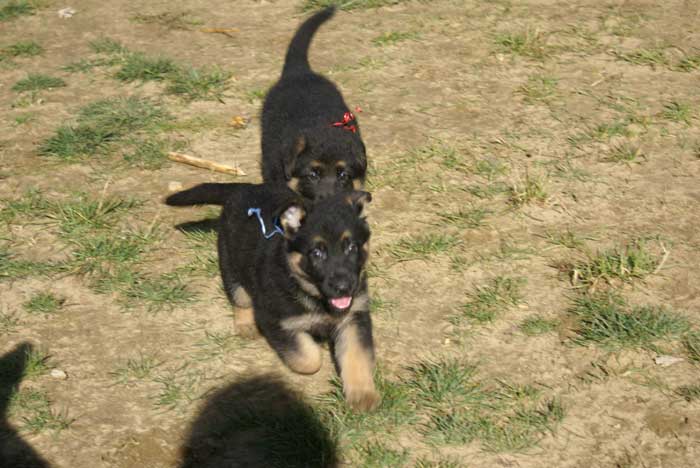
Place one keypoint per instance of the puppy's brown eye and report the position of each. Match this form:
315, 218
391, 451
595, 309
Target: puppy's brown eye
313, 174
342, 174
351, 248
318, 254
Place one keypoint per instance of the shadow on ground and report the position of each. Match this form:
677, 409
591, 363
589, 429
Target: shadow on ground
258, 422
203, 225
14, 452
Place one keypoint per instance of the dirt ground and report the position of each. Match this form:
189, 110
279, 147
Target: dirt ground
542, 119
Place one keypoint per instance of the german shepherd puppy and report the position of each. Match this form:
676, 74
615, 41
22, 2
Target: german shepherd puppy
297, 274
310, 139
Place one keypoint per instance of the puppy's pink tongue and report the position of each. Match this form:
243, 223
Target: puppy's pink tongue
341, 302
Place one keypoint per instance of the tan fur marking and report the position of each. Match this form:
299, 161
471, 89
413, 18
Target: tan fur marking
357, 184
348, 200
356, 370
345, 235
294, 261
340, 164
365, 247
293, 183
241, 298
306, 322
306, 359
244, 322
316, 164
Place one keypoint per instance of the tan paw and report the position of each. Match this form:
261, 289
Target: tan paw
362, 399
244, 323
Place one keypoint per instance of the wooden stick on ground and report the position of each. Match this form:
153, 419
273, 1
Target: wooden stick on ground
205, 164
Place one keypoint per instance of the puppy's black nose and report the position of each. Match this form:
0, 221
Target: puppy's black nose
341, 286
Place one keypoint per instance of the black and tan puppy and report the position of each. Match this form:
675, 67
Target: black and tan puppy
299, 273
310, 138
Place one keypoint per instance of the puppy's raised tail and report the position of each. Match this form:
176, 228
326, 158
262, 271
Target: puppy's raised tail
297, 60
202, 194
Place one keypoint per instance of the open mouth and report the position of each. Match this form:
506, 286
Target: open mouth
341, 303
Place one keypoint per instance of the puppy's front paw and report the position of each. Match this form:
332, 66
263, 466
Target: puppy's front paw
362, 399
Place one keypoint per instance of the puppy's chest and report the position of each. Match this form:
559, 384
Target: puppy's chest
314, 320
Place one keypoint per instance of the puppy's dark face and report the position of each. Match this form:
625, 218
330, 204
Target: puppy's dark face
329, 251
325, 165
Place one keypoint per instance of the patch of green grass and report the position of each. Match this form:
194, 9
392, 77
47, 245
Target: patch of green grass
105, 45
651, 57
257, 94
538, 325
472, 218
423, 247
31, 204
526, 191
444, 383
442, 462
178, 387
308, 5
102, 253
12, 9
138, 66
38, 82
490, 168
44, 303
489, 301
13, 268
34, 408
689, 63
488, 191
22, 49
567, 238
625, 152
377, 305
136, 369
439, 152
157, 293
150, 153
689, 393
527, 43
199, 84
393, 37
174, 20
8, 323
462, 409
25, 118
677, 112
606, 319
538, 88
85, 213
35, 363
394, 410
217, 344
691, 341
633, 261
101, 123
375, 454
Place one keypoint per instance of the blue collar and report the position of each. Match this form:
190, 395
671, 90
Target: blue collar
275, 223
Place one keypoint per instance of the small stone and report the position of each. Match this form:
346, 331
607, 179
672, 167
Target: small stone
665, 361
238, 122
174, 186
58, 374
66, 12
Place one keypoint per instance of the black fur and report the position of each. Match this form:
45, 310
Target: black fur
202, 194
300, 145
293, 279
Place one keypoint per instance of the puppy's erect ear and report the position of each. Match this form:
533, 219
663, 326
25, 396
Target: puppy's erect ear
291, 155
291, 219
358, 199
